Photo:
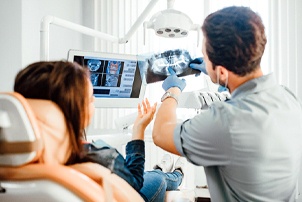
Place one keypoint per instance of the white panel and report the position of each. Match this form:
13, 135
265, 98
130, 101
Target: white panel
121, 25
101, 15
298, 53
111, 12
20, 34
61, 39
115, 24
89, 21
283, 55
291, 47
127, 22
10, 40
284, 42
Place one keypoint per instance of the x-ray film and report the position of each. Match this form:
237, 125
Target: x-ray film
155, 66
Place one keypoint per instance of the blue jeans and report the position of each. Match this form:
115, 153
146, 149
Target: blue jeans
151, 185
130, 168
156, 183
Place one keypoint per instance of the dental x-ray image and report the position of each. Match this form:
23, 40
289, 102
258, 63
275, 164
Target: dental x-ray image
112, 73
155, 67
94, 65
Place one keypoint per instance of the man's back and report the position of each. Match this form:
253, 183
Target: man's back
265, 128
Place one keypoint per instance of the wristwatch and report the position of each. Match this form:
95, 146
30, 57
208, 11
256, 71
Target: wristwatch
169, 95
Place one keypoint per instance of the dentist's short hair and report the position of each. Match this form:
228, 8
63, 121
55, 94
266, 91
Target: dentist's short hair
234, 38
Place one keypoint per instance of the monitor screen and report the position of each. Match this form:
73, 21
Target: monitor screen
116, 78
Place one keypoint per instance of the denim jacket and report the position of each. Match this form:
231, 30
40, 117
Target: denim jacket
130, 168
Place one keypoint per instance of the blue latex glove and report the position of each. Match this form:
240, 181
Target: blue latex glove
173, 81
198, 64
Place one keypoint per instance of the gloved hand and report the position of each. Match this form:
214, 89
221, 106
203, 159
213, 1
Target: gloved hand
173, 81
198, 64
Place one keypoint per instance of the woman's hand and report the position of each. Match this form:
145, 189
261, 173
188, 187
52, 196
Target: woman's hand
144, 117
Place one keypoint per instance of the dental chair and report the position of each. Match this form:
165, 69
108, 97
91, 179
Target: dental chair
34, 146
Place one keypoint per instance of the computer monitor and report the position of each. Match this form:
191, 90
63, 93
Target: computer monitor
116, 78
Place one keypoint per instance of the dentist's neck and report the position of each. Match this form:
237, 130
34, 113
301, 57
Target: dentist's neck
235, 81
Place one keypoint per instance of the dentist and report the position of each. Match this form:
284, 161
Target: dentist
250, 145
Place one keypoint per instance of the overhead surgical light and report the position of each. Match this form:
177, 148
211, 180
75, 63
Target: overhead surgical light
171, 23
168, 23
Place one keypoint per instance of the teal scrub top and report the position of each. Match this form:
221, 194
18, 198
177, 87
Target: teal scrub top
250, 146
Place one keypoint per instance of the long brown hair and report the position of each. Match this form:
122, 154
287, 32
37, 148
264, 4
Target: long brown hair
65, 84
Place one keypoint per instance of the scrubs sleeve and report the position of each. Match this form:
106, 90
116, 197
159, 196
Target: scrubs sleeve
205, 140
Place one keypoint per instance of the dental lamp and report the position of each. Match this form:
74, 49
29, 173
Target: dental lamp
165, 23
171, 23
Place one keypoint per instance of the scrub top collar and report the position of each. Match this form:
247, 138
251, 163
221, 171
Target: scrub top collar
254, 86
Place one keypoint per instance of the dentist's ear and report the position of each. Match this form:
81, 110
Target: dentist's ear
223, 73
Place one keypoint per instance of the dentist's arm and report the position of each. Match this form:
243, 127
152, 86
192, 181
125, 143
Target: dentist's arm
165, 121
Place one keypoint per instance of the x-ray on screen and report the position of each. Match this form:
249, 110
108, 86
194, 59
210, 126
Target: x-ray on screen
116, 78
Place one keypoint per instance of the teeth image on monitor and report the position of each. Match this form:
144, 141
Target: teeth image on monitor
94, 65
116, 78
94, 79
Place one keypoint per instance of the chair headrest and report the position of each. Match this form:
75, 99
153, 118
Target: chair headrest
31, 130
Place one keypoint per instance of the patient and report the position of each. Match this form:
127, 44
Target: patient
68, 85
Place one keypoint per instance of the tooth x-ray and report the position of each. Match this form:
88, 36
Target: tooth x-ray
94, 65
112, 73
156, 66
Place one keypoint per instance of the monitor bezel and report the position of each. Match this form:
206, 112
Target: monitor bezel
101, 102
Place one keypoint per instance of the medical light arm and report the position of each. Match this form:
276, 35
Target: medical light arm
139, 21
48, 20
44, 33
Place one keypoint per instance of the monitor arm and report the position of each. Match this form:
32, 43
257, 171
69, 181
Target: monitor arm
48, 20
